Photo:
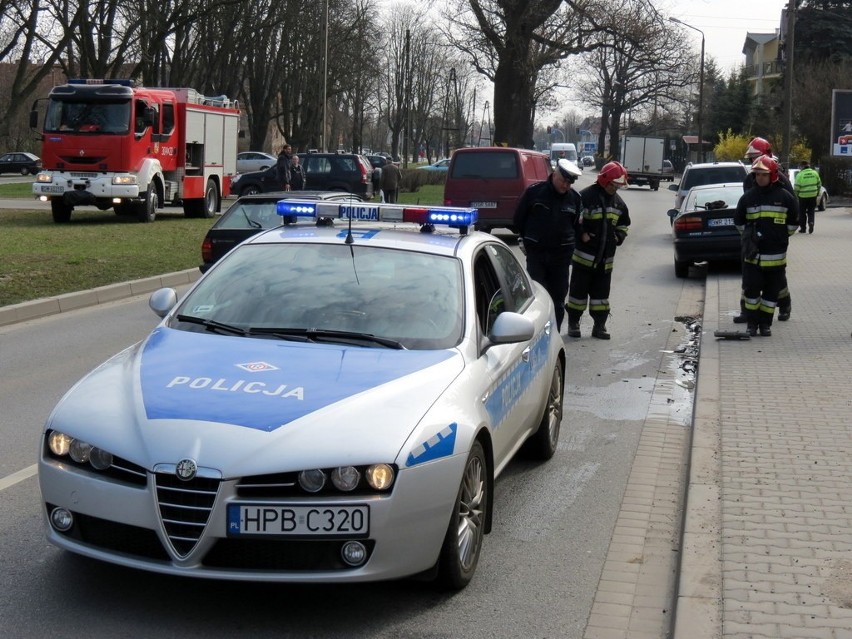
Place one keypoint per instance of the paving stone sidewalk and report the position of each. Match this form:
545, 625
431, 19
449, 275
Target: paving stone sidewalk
768, 535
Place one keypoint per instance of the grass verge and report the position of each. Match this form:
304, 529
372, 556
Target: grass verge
39, 258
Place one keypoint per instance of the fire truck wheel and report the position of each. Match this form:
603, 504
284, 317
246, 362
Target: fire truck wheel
147, 210
61, 211
211, 199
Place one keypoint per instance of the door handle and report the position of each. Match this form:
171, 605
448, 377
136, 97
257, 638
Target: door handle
526, 355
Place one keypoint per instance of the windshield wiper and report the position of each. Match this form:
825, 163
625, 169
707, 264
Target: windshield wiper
322, 335
211, 325
252, 223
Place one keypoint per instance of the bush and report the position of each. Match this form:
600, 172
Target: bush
413, 179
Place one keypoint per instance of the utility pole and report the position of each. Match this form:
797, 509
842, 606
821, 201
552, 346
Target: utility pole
789, 45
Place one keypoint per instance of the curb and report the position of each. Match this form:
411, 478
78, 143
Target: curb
110, 293
698, 606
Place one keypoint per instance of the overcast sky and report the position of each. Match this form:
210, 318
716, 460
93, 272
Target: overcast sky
725, 24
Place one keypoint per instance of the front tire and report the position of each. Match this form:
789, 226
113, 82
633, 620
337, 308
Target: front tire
463, 541
542, 445
251, 189
25, 170
821, 203
61, 211
147, 210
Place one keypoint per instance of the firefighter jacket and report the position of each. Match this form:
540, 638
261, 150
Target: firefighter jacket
807, 183
605, 220
547, 219
767, 217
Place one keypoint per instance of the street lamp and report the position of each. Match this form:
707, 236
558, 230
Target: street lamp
700, 90
325, 85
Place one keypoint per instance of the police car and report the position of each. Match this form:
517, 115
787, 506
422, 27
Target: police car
331, 402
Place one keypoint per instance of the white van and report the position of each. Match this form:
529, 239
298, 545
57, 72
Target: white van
567, 150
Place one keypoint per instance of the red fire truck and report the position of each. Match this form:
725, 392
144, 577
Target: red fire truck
109, 143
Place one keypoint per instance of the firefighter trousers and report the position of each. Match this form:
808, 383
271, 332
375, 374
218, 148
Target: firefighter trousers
589, 288
761, 289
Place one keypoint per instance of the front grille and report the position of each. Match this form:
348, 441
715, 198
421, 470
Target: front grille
109, 535
75, 159
185, 508
281, 555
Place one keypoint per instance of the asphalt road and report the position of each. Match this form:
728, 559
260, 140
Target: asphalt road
540, 566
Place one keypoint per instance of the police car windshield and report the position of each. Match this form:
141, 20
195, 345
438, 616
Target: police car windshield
270, 290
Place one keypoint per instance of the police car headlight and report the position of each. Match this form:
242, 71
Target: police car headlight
345, 478
100, 459
59, 443
312, 480
380, 476
79, 451
44, 177
124, 180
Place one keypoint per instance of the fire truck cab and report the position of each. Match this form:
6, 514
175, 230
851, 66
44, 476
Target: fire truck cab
109, 143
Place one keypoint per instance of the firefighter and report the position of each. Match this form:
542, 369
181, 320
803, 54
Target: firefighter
756, 148
766, 216
604, 223
547, 218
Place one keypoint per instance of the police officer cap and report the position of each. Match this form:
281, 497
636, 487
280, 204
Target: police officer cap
568, 170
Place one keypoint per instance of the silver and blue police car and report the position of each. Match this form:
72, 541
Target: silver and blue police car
331, 402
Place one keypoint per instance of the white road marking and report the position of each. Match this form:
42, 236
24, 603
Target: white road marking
21, 475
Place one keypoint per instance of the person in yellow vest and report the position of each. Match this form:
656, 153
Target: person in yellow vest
807, 187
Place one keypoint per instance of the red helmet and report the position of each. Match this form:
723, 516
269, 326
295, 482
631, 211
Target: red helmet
766, 164
612, 173
758, 147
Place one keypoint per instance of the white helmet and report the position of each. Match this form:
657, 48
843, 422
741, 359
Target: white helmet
568, 169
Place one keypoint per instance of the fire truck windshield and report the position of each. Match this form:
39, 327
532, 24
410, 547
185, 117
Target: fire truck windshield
88, 117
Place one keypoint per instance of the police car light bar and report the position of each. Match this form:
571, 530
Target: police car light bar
122, 82
436, 215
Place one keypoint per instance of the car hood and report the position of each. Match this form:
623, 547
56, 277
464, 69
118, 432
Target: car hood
243, 405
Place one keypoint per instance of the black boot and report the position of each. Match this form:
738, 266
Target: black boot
751, 329
765, 330
573, 328
784, 313
599, 330
740, 319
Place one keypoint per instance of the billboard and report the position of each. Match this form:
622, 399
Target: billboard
841, 123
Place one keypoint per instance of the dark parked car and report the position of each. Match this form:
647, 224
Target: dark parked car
250, 215
703, 227
323, 172
339, 172
20, 162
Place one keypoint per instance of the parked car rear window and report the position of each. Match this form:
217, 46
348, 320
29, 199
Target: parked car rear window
713, 175
487, 165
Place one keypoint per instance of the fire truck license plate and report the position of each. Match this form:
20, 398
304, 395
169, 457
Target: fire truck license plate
304, 520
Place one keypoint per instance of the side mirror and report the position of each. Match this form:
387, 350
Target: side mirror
162, 301
674, 187
672, 213
510, 328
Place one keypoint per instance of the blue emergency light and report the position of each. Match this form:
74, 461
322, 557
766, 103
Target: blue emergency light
437, 215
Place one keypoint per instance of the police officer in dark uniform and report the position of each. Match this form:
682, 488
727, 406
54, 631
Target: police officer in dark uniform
546, 219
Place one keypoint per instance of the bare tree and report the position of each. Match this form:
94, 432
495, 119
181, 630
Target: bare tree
511, 41
641, 66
